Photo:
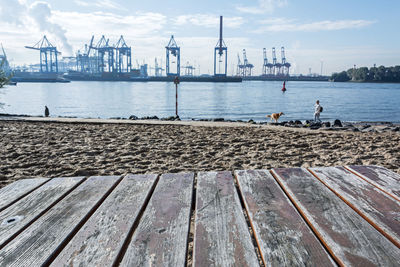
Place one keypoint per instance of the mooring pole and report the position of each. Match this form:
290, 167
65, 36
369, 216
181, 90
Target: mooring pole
176, 82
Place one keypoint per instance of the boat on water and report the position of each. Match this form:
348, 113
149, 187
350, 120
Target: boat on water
43, 77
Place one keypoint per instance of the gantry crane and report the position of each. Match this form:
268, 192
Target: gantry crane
48, 55
285, 65
172, 49
157, 68
84, 63
189, 69
247, 66
240, 67
123, 55
104, 49
3, 60
276, 65
222, 51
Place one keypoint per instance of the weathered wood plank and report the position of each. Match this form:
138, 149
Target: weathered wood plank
282, 235
351, 240
16, 217
161, 236
380, 177
18, 189
100, 240
222, 237
40, 241
378, 208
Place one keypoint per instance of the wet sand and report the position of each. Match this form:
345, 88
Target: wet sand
61, 149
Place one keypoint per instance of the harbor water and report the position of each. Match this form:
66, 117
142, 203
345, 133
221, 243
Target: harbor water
235, 101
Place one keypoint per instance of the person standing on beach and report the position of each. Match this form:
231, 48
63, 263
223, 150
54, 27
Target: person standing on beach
46, 111
317, 112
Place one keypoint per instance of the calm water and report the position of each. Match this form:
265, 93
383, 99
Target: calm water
247, 100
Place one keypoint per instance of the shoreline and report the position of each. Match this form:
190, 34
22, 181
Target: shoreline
360, 126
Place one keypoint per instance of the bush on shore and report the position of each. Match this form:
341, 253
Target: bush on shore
373, 74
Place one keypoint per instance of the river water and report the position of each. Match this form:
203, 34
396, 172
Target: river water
237, 101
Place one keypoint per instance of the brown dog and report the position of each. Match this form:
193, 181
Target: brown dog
275, 116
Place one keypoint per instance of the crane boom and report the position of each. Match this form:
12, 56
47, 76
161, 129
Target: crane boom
90, 45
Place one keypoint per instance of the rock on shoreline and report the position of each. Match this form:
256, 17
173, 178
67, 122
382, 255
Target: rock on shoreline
336, 125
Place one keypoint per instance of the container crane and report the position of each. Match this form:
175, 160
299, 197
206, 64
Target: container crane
240, 67
189, 69
3, 60
265, 63
276, 66
220, 51
48, 55
157, 68
172, 49
285, 65
247, 66
83, 61
104, 49
123, 54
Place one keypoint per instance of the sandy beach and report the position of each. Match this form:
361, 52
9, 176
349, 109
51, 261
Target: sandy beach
80, 148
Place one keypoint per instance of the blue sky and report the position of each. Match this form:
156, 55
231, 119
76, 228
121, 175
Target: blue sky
338, 33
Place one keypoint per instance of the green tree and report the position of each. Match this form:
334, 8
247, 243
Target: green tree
373, 74
350, 73
4, 79
396, 73
361, 74
380, 74
340, 77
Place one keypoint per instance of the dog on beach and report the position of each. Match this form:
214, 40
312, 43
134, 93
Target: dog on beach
275, 116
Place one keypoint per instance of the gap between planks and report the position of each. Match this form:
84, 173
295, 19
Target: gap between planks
62, 245
257, 247
43, 212
129, 236
368, 181
308, 222
23, 195
359, 212
191, 233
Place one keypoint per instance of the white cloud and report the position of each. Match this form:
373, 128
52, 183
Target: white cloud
100, 4
285, 25
37, 15
209, 21
264, 6
41, 13
81, 3
12, 12
99, 23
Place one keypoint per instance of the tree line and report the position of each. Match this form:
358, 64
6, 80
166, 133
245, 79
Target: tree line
373, 74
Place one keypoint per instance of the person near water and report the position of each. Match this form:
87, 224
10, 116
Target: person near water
317, 111
284, 87
46, 111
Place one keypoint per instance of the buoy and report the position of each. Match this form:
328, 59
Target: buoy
284, 88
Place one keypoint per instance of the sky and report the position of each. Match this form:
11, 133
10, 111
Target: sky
334, 35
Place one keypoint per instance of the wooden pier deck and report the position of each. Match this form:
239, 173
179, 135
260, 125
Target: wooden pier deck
346, 216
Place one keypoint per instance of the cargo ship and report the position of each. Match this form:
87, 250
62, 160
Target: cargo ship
105, 76
41, 77
134, 76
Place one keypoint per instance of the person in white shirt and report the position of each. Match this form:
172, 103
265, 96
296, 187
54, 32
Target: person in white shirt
317, 112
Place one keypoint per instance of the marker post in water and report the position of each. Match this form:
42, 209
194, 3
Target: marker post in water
176, 82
